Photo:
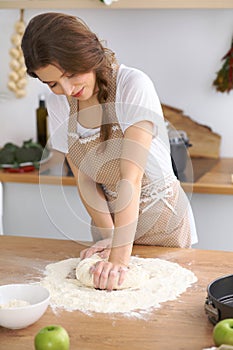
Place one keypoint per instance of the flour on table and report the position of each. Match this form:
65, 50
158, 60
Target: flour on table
165, 281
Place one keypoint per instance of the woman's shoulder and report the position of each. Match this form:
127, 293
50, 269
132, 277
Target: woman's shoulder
135, 86
128, 74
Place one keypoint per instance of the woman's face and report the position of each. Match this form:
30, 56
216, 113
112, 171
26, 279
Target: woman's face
80, 86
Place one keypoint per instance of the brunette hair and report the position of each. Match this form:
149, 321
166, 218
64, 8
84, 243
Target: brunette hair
66, 41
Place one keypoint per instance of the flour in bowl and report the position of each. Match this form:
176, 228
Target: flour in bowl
167, 281
14, 303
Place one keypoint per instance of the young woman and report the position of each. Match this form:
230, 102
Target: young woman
108, 121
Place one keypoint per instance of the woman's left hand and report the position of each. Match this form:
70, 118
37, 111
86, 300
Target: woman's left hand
107, 274
102, 247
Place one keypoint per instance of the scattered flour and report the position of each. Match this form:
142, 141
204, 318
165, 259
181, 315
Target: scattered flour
11, 304
167, 280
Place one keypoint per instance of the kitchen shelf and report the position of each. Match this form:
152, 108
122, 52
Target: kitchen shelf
121, 4
216, 179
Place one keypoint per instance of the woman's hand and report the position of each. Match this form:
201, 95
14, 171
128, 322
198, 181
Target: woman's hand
107, 274
102, 247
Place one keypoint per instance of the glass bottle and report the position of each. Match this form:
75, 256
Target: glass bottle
41, 121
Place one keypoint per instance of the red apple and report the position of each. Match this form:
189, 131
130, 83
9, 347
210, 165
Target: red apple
52, 337
223, 332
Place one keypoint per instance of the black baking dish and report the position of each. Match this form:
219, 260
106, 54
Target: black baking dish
219, 301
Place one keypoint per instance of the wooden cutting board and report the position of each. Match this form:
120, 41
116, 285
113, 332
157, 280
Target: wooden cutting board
205, 142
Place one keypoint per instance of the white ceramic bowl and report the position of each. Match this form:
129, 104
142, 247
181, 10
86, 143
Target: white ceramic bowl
17, 317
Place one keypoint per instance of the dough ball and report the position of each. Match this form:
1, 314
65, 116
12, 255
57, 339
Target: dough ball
135, 276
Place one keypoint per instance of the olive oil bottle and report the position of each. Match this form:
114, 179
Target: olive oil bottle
41, 122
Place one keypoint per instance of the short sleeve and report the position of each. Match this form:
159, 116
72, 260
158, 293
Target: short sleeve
136, 99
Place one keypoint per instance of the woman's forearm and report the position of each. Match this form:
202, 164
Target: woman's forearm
94, 200
136, 144
95, 203
126, 218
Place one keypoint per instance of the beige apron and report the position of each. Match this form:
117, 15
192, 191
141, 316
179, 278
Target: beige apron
163, 211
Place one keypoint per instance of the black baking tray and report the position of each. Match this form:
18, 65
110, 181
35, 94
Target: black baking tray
219, 301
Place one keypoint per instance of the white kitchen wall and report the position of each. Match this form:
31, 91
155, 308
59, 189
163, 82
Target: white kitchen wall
180, 50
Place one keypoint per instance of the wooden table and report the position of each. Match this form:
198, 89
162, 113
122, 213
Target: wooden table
177, 325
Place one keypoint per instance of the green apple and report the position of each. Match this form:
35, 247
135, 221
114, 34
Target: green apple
52, 337
223, 332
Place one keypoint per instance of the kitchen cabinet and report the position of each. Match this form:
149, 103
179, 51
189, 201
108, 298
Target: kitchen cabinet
121, 4
39, 204
48, 211
178, 324
26, 214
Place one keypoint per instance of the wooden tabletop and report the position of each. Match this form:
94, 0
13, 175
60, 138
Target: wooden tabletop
212, 176
178, 325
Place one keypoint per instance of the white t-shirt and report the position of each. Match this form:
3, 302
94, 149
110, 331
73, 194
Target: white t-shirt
136, 100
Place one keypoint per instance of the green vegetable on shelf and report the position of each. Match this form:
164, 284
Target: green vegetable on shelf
30, 151
7, 156
25, 154
10, 146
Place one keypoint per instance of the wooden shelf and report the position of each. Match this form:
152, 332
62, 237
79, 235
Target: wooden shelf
121, 4
216, 179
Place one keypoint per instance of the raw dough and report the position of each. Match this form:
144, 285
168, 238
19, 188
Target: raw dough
135, 277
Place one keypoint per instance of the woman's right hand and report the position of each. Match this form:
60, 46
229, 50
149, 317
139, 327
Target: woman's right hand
102, 247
